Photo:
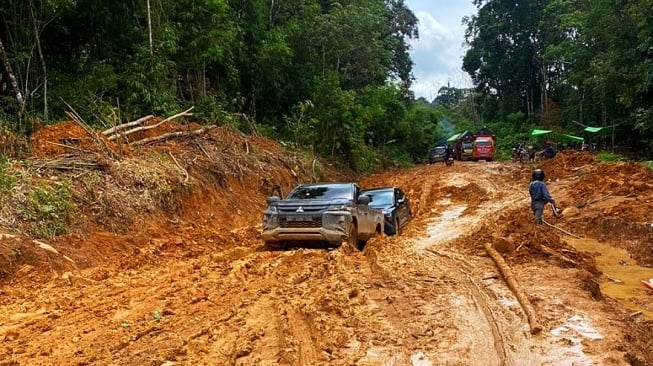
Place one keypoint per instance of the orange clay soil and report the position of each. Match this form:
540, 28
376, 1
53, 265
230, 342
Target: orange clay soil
162, 261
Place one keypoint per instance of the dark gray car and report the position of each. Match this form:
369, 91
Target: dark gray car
437, 154
395, 206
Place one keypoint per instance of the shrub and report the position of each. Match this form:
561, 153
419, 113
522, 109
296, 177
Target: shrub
49, 208
7, 181
610, 156
649, 164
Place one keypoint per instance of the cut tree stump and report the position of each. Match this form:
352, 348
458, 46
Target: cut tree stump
505, 270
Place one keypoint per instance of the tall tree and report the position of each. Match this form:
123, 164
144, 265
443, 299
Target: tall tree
504, 56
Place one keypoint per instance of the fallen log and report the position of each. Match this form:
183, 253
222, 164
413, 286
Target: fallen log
648, 283
169, 135
120, 127
533, 320
144, 128
45, 247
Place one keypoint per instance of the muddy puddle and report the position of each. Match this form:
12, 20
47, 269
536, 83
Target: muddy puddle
621, 275
444, 226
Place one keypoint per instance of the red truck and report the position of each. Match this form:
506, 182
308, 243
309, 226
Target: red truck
483, 145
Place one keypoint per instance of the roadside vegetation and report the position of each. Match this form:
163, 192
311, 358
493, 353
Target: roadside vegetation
329, 78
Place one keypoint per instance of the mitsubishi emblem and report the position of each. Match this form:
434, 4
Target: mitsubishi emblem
300, 209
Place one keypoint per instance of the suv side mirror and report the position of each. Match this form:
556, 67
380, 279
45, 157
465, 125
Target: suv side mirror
272, 199
363, 199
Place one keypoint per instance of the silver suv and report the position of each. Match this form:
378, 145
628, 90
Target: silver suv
321, 212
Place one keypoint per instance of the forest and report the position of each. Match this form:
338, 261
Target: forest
331, 78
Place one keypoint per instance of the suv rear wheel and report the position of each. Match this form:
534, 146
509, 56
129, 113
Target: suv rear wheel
352, 240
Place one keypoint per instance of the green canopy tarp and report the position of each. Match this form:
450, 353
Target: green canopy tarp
572, 137
540, 132
454, 137
599, 129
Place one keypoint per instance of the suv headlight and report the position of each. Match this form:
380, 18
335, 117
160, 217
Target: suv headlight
338, 208
271, 218
336, 221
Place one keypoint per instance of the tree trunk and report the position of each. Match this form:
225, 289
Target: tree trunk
506, 272
37, 38
149, 26
12, 80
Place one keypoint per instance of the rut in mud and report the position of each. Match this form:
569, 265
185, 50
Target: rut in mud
201, 289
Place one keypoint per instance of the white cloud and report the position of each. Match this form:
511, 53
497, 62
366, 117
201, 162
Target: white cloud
431, 32
438, 52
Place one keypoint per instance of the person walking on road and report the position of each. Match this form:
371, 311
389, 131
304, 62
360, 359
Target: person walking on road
540, 195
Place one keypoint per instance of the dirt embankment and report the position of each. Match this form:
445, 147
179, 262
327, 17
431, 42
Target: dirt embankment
113, 204
163, 264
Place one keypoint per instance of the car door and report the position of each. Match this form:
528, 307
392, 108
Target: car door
366, 215
403, 206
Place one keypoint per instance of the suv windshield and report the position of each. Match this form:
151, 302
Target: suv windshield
327, 192
381, 198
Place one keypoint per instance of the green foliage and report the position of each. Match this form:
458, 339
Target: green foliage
563, 61
7, 181
366, 159
649, 164
510, 132
157, 315
610, 156
49, 208
301, 129
423, 129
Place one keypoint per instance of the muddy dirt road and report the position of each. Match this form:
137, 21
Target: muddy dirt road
430, 296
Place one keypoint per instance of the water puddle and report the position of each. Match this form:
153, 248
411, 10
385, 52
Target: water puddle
622, 276
573, 333
444, 227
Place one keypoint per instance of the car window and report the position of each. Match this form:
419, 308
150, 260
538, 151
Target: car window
483, 143
322, 192
438, 150
380, 198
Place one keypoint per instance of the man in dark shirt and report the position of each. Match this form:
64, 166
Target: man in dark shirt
540, 195
448, 153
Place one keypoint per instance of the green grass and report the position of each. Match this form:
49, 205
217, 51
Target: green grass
649, 164
7, 181
610, 156
49, 208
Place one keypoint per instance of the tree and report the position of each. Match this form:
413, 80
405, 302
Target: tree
503, 58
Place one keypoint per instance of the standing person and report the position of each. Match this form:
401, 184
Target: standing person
448, 154
540, 195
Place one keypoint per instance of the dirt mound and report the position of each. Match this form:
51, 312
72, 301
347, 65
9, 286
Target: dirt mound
469, 193
614, 200
63, 138
218, 178
593, 176
567, 163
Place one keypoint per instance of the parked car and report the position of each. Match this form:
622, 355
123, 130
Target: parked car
321, 212
466, 150
395, 206
437, 154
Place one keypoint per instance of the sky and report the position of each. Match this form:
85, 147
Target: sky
437, 54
